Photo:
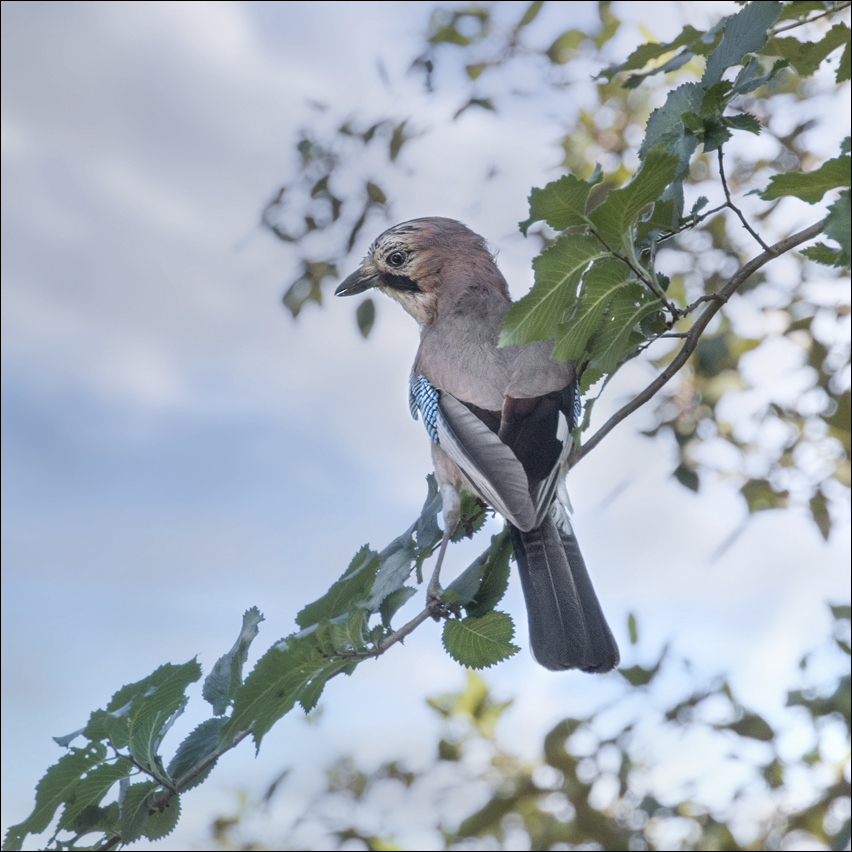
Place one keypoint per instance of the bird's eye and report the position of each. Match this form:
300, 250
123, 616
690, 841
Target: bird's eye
396, 258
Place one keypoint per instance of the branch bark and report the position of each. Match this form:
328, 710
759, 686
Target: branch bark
694, 335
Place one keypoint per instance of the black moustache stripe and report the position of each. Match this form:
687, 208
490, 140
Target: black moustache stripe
399, 282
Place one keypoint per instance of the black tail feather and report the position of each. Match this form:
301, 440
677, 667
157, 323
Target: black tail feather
567, 627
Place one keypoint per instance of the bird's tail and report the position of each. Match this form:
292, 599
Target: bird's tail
567, 627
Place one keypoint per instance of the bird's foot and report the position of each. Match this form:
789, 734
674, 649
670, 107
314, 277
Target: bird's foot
436, 606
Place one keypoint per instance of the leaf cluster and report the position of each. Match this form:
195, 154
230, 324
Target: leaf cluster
596, 779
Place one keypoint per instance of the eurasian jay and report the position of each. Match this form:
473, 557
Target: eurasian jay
500, 421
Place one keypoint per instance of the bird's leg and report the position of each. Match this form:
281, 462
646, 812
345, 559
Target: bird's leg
452, 512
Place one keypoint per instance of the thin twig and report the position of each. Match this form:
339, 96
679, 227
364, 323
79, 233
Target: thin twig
792, 26
734, 206
694, 334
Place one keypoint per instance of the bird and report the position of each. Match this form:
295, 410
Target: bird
499, 420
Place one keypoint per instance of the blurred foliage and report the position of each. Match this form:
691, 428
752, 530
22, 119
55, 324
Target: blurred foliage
784, 441
600, 781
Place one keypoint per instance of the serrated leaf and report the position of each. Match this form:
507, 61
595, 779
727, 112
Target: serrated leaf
91, 789
562, 204
227, 674
838, 227
600, 284
744, 121
558, 270
163, 821
94, 818
201, 742
56, 787
811, 186
629, 305
352, 588
152, 714
745, 32
394, 602
615, 219
495, 576
134, 810
807, 56
480, 642
282, 676
665, 126
821, 253
650, 52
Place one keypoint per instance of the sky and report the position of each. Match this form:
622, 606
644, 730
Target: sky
176, 449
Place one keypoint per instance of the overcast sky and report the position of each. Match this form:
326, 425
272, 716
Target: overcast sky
176, 449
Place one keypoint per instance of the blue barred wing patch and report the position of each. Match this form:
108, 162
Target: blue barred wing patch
423, 398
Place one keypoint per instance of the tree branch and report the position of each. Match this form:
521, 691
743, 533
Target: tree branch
729, 203
694, 334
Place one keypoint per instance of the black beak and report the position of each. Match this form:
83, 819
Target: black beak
356, 283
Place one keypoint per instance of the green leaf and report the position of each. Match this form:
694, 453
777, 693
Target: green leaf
665, 126
615, 219
632, 629
640, 676
811, 186
200, 743
93, 818
558, 270
807, 56
226, 676
394, 602
744, 121
352, 588
134, 810
838, 227
484, 103
629, 305
289, 671
91, 789
646, 53
844, 68
745, 32
562, 50
562, 204
760, 496
152, 714
481, 586
531, 13
57, 786
819, 512
480, 642
163, 821
687, 477
751, 725
600, 284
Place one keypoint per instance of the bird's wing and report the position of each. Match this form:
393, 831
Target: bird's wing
490, 466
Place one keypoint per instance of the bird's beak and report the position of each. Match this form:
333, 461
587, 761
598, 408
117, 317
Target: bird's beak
357, 282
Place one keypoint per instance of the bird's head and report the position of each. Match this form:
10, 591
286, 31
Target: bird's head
422, 262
